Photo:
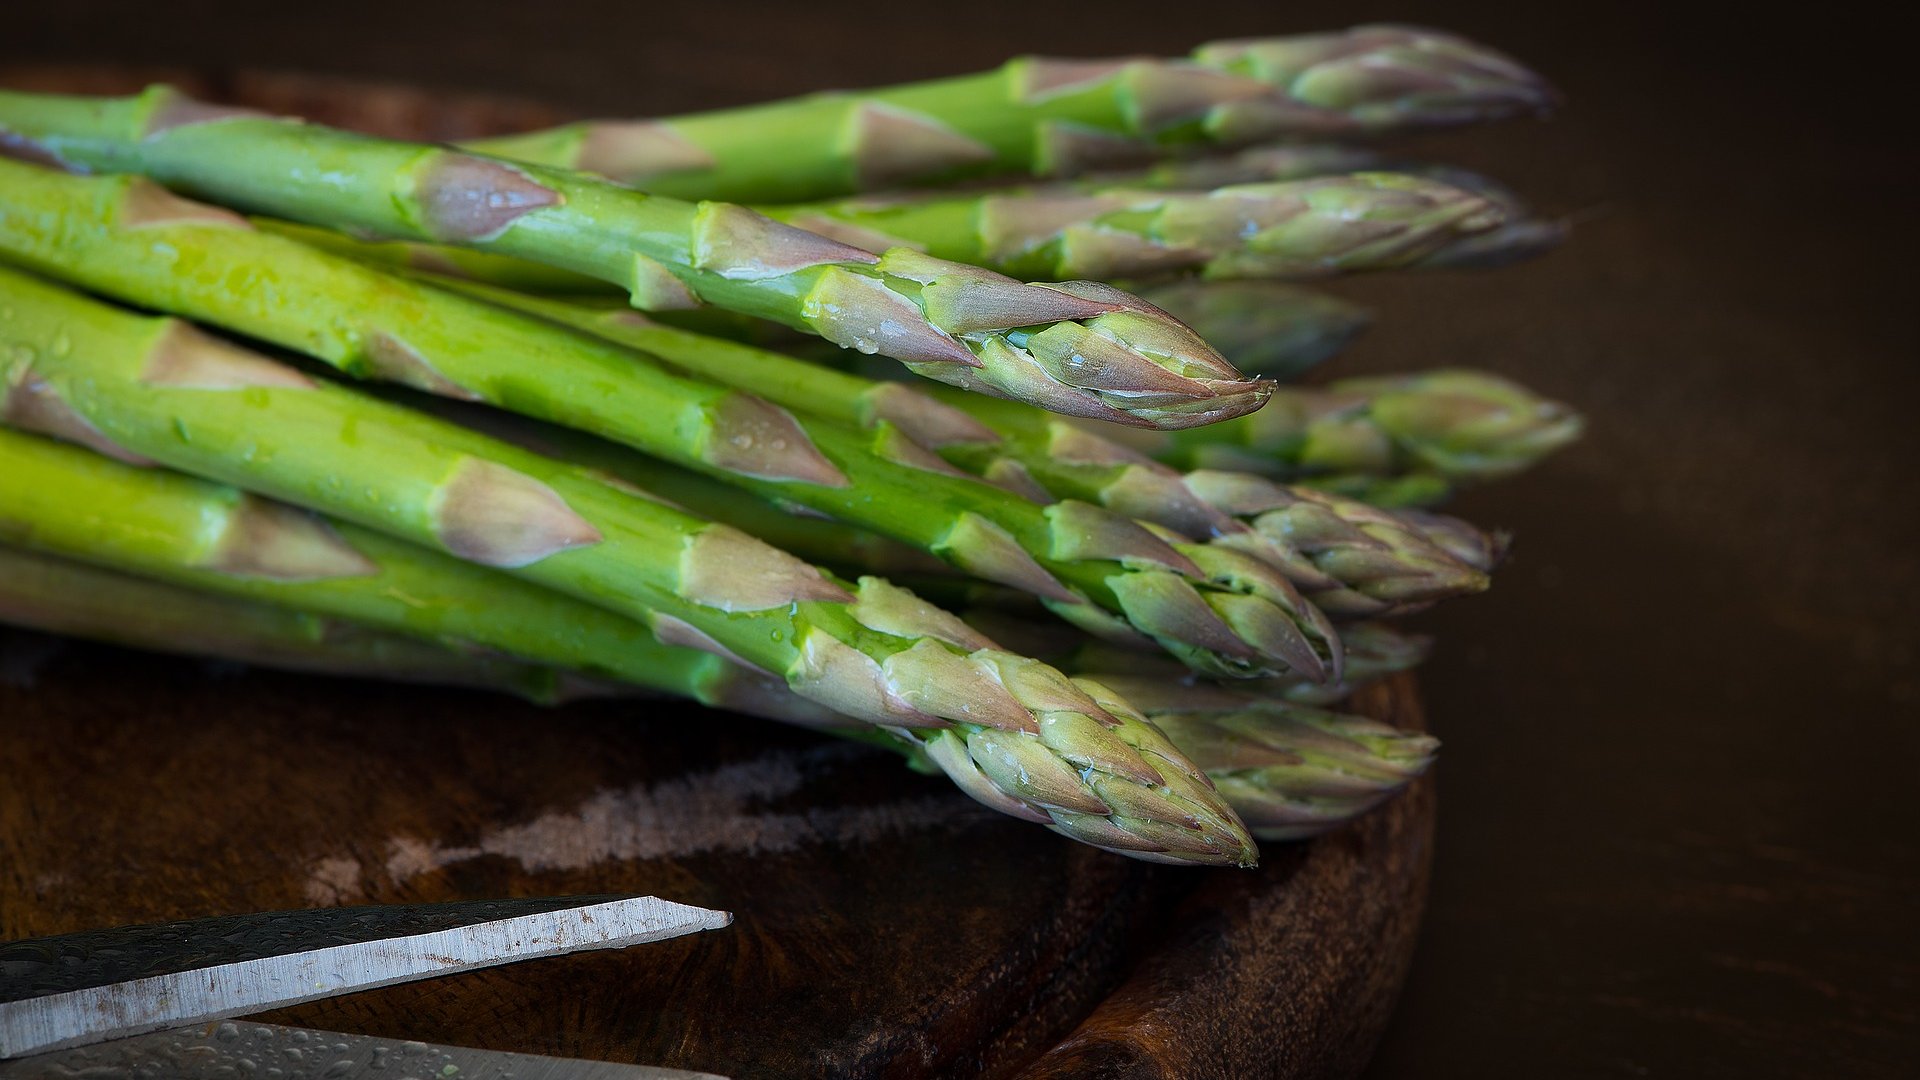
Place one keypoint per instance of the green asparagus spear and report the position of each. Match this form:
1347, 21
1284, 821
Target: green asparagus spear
1094, 352
1515, 241
1011, 731
1390, 78
1375, 650
505, 271
211, 539
1051, 117
60, 596
1520, 236
1275, 330
1292, 230
1264, 756
1352, 560
1392, 440
1476, 548
125, 237
1292, 771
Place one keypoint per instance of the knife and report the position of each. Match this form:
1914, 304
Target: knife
230, 1049
73, 990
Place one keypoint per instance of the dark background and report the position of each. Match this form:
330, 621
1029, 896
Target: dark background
1676, 813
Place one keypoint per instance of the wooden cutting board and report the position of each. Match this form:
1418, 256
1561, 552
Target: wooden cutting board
886, 926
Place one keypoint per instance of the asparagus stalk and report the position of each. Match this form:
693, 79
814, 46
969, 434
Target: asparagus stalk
1390, 78
1351, 559
1476, 548
125, 237
1266, 757
447, 260
1051, 117
1010, 730
1519, 236
446, 263
1275, 330
319, 575
1294, 230
60, 596
1354, 560
1375, 650
1096, 352
1393, 440
1292, 771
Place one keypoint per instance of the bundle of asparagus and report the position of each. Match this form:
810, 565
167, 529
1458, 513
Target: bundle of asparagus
1090, 580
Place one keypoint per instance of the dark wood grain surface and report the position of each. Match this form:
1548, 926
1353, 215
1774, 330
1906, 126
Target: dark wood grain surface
1676, 837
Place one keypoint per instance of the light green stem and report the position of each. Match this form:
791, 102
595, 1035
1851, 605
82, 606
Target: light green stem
210, 538
60, 596
1049, 117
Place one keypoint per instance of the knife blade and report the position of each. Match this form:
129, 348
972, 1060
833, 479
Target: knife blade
226, 1049
76, 989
